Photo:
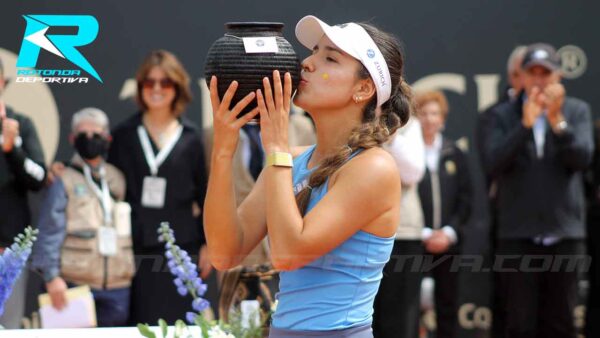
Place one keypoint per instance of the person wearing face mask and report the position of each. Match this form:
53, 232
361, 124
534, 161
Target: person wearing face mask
22, 170
85, 228
161, 154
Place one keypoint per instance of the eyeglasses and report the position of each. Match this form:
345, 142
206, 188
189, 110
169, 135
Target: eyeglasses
165, 83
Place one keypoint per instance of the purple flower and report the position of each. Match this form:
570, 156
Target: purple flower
12, 261
200, 304
190, 317
185, 271
178, 282
182, 290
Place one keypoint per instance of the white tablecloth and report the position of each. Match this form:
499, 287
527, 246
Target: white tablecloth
116, 332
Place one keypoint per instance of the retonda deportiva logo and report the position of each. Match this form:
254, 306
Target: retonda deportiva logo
64, 46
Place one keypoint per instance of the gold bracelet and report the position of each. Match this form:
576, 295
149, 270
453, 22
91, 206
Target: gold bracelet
280, 159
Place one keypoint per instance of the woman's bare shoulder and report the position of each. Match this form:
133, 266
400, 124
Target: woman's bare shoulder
376, 163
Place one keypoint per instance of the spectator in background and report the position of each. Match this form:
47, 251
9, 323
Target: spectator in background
483, 136
592, 326
445, 193
161, 154
397, 305
538, 149
21, 170
85, 229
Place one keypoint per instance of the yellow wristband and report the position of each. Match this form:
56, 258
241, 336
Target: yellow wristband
280, 159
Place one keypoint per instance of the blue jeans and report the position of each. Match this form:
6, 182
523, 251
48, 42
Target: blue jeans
112, 306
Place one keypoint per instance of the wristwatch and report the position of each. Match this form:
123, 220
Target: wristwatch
280, 159
560, 127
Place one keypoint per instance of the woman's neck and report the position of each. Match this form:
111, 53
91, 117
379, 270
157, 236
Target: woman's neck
333, 132
159, 118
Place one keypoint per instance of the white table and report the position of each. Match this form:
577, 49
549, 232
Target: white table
116, 332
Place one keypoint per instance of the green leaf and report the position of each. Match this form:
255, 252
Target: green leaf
163, 327
179, 327
204, 325
145, 331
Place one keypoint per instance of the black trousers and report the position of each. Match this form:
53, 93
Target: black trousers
539, 296
446, 295
592, 322
397, 304
153, 293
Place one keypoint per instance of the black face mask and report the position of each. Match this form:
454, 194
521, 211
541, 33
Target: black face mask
89, 148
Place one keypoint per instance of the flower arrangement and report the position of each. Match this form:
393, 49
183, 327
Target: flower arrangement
188, 282
13, 260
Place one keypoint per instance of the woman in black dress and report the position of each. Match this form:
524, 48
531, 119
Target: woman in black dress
161, 155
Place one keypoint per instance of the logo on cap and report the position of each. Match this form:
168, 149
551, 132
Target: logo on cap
540, 54
370, 53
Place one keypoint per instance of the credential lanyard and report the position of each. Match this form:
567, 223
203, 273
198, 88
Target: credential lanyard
154, 162
102, 193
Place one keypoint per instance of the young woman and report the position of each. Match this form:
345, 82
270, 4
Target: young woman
331, 216
161, 154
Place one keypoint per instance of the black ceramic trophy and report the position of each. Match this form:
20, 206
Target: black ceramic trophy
247, 53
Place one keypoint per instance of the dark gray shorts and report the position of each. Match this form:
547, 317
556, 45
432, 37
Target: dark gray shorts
356, 332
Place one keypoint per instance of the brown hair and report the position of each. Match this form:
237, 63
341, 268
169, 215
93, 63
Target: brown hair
374, 130
175, 72
421, 99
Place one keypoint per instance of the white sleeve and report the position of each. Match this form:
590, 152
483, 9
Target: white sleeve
408, 150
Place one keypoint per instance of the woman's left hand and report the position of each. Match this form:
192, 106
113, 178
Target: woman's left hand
274, 113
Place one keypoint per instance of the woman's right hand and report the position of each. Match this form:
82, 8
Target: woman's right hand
226, 125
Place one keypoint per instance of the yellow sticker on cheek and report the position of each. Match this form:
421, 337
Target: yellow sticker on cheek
325, 76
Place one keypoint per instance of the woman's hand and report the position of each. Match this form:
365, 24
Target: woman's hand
226, 125
274, 113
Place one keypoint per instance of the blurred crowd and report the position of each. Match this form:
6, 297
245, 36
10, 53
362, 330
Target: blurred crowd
101, 209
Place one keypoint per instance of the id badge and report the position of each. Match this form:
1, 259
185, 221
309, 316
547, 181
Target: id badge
154, 191
107, 244
122, 218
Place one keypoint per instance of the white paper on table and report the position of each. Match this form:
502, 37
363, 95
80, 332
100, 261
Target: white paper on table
80, 311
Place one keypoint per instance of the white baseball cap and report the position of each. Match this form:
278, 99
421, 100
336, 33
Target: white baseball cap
354, 40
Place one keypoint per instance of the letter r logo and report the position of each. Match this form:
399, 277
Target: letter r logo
62, 45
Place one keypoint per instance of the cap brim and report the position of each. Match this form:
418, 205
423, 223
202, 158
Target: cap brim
543, 63
311, 29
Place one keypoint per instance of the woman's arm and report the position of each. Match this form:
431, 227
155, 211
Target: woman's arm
354, 201
227, 236
363, 195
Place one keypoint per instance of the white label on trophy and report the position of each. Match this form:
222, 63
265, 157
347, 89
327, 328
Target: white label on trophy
261, 45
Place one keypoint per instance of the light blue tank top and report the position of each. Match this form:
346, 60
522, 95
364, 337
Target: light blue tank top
337, 290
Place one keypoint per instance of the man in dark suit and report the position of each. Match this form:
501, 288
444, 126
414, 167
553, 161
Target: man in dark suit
21, 170
538, 149
445, 193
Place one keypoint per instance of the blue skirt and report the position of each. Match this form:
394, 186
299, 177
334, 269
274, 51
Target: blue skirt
355, 332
